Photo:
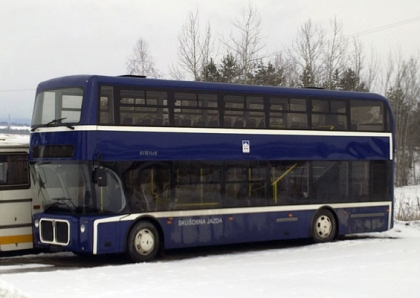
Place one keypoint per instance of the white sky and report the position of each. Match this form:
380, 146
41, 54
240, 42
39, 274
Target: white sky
43, 39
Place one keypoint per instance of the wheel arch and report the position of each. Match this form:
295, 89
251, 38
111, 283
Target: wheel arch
331, 209
151, 220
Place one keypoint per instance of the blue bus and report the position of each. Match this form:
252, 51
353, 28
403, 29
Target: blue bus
135, 165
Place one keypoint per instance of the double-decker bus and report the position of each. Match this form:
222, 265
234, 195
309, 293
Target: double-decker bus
16, 198
136, 165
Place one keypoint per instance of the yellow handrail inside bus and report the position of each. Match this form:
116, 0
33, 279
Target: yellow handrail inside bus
274, 184
201, 192
325, 127
235, 185
102, 199
249, 184
197, 204
201, 186
152, 185
154, 191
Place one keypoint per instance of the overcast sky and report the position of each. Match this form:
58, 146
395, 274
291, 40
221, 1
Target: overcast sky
43, 39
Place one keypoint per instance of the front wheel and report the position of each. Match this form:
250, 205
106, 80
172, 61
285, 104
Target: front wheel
324, 226
143, 242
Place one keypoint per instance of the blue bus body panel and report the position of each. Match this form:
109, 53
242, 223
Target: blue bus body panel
237, 228
254, 227
212, 146
104, 235
216, 146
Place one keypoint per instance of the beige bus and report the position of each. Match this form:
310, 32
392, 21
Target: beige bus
16, 199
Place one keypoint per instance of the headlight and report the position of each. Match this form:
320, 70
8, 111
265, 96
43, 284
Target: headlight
36, 223
82, 228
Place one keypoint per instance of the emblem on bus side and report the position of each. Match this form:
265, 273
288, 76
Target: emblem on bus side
149, 153
246, 146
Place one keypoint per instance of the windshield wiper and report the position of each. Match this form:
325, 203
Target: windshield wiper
68, 202
53, 122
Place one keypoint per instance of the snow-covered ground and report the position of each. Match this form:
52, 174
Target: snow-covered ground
407, 203
383, 265
379, 265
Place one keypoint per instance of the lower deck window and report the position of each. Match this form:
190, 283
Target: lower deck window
186, 185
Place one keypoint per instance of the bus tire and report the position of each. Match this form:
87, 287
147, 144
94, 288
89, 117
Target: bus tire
143, 242
324, 226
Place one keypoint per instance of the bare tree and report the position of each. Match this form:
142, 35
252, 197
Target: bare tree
247, 45
371, 75
403, 92
194, 48
411, 89
207, 50
290, 69
141, 62
307, 51
176, 73
334, 55
368, 72
356, 56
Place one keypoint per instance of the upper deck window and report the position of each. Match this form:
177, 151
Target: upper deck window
288, 113
244, 111
368, 116
58, 106
196, 109
329, 115
139, 106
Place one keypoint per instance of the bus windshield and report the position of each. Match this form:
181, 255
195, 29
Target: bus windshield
56, 107
68, 188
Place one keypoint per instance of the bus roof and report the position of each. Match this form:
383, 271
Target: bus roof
9, 143
83, 80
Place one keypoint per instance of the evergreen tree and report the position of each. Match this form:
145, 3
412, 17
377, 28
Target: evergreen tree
267, 75
334, 83
229, 70
350, 81
210, 73
307, 79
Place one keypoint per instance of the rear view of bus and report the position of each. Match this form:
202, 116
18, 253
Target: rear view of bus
136, 166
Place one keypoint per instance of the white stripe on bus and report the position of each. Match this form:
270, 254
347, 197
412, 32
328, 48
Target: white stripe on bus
273, 132
232, 211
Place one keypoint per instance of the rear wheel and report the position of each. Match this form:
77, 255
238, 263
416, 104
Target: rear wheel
143, 242
324, 226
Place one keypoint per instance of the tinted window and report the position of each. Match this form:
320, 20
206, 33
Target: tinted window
14, 170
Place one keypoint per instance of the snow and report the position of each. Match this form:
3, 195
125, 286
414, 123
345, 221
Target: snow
16, 127
370, 265
407, 205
